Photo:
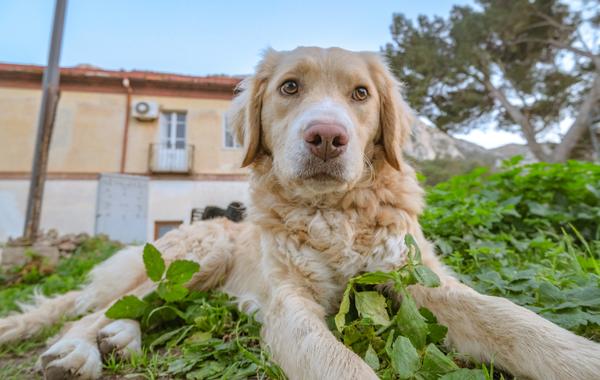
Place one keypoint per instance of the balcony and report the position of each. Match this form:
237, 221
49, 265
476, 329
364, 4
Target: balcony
171, 158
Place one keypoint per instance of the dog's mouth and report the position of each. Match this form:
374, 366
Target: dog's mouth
322, 177
323, 171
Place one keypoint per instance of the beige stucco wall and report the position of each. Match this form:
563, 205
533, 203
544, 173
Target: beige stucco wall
204, 131
88, 132
69, 206
18, 118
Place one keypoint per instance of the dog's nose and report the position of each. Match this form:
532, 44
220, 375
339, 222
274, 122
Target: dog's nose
326, 141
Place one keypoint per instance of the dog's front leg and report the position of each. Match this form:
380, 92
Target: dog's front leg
300, 342
514, 338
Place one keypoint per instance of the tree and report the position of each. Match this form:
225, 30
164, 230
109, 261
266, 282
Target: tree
526, 66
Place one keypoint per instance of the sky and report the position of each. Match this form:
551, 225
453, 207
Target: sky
205, 37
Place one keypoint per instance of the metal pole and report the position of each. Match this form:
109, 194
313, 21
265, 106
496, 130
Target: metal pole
50, 95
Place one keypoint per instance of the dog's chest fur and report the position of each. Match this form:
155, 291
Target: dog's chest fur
327, 247
319, 245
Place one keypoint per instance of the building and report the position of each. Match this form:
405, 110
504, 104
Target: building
132, 152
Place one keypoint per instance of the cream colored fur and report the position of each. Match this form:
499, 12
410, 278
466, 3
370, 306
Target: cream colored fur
312, 226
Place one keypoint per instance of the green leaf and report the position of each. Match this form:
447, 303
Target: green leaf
444, 246
371, 358
425, 276
435, 363
171, 292
154, 263
181, 271
405, 358
128, 307
372, 305
549, 293
411, 243
464, 374
411, 323
437, 333
538, 209
340, 317
373, 278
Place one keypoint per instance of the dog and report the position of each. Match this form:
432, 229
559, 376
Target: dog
332, 197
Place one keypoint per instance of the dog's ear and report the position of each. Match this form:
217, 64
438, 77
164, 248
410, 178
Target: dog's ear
396, 117
246, 108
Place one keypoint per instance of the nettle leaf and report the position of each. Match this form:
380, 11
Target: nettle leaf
372, 305
411, 323
371, 358
425, 276
373, 278
340, 317
538, 209
405, 358
437, 333
181, 271
464, 374
436, 363
128, 307
568, 319
549, 293
444, 246
171, 292
154, 263
413, 248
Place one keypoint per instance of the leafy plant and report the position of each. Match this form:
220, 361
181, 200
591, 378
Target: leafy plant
170, 285
528, 233
395, 338
203, 333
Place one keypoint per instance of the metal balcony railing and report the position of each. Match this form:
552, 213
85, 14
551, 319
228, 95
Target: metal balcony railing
171, 158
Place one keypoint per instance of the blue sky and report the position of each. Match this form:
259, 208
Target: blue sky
201, 37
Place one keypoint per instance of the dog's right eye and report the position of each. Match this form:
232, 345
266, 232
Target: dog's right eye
289, 87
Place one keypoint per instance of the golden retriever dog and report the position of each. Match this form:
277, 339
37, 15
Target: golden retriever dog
331, 198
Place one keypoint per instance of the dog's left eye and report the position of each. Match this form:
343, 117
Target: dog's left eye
360, 94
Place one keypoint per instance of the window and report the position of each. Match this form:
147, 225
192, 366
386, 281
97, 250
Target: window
173, 129
163, 226
229, 140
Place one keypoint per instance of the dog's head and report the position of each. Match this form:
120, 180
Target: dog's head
319, 114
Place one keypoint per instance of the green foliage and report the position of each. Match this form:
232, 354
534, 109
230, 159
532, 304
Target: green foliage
170, 289
460, 71
18, 359
529, 233
68, 274
205, 336
154, 263
403, 346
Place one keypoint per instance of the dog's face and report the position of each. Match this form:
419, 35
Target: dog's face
319, 114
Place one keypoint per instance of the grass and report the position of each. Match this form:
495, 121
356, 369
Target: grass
530, 234
18, 359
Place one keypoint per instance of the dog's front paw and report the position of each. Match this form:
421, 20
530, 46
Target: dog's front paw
72, 359
121, 337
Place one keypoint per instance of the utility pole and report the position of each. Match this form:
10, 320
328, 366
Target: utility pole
50, 95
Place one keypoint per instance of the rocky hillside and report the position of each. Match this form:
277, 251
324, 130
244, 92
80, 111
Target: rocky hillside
428, 143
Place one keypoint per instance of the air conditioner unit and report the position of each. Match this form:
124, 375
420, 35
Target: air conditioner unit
145, 110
